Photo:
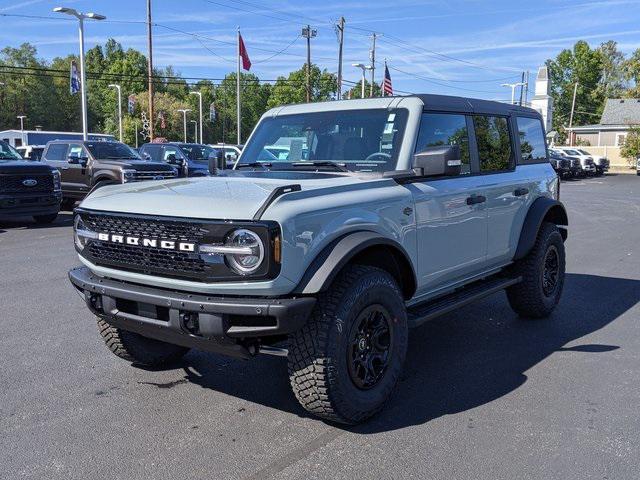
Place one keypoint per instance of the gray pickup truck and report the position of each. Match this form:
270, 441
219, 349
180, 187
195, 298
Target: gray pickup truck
342, 226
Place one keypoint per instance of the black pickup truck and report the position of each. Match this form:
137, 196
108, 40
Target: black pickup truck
27, 189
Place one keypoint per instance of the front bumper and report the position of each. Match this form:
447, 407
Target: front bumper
20, 205
218, 324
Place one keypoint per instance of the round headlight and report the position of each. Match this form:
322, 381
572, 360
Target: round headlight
249, 262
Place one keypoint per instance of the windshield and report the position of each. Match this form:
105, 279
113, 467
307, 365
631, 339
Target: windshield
584, 152
112, 151
197, 153
7, 152
572, 152
356, 140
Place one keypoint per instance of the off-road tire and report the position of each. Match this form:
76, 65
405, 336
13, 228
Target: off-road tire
528, 298
44, 219
138, 349
318, 360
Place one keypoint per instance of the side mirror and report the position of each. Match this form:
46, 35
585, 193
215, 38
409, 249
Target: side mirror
171, 158
77, 159
439, 160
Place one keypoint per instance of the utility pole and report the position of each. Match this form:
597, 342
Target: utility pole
309, 33
522, 89
573, 107
526, 89
150, 66
238, 111
372, 57
340, 28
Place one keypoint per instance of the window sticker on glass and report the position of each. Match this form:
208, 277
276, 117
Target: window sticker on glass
392, 117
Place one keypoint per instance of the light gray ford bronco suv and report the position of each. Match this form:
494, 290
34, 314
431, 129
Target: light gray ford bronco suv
342, 226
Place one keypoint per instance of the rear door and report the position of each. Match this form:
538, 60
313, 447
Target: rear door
508, 189
451, 217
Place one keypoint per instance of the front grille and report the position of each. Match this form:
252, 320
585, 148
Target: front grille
169, 262
14, 183
151, 175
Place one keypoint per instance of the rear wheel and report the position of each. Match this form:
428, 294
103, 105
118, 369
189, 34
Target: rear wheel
345, 362
44, 219
542, 272
138, 349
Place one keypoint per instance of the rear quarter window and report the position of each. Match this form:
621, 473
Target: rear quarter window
532, 143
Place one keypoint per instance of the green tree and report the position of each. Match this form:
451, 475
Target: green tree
631, 69
293, 88
612, 81
29, 93
631, 148
356, 90
583, 65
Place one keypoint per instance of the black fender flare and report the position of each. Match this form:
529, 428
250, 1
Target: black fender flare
542, 209
104, 177
332, 259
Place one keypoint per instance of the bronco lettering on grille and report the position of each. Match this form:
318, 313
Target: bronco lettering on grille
147, 242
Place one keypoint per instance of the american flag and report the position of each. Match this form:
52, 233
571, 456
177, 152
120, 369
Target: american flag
387, 88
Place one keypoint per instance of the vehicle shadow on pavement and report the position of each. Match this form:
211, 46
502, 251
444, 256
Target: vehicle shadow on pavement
457, 362
64, 219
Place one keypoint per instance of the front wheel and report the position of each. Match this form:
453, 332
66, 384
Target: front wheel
542, 272
345, 362
137, 349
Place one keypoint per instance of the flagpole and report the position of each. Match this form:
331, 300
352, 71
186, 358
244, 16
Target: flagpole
239, 119
384, 78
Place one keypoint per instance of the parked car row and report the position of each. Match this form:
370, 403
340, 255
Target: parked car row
571, 162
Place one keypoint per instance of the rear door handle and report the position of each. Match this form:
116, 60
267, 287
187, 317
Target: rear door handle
519, 192
475, 199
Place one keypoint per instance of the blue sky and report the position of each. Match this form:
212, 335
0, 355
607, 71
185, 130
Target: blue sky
445, 46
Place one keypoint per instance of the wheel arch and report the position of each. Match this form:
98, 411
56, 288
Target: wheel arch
104, 177
363, 248
543, 209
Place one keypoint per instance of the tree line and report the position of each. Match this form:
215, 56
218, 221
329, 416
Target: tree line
40, 90
602, 72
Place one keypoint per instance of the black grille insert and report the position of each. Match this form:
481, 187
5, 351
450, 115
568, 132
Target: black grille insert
14, 183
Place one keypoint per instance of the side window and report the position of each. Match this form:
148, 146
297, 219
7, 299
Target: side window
532, 144
76, 150
231, 155
170, 151
57, 152
494, 143
440, 129
152, 152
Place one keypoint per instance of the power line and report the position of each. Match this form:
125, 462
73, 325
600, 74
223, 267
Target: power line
429, 80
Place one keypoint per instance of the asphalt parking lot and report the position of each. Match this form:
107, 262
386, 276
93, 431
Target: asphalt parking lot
484, 395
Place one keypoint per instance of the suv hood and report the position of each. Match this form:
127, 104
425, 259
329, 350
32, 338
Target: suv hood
231, 197
24, 167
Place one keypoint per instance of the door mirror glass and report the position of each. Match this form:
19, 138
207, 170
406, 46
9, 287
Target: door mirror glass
439, 160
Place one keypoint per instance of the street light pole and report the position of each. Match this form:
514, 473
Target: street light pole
22, 117
513, 89
117, 87
200, 106
364, 68
83, 80
184, 121
195, 131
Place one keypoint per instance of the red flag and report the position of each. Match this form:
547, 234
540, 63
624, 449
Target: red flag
246, 63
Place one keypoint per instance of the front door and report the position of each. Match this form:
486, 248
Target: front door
78, 174
451, 216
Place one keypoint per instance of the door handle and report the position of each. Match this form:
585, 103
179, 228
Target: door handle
475, 199
519, 192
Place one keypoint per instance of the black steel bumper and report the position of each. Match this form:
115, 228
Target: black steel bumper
19, 205
218, 324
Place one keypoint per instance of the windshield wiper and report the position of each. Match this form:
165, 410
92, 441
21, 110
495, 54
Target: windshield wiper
322, 163
254, 165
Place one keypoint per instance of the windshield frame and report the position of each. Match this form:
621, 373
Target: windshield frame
401, 122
